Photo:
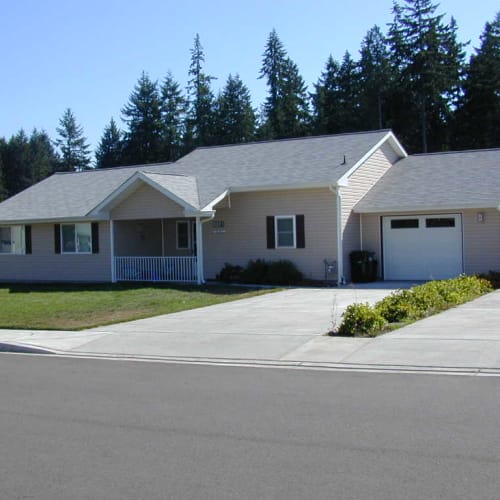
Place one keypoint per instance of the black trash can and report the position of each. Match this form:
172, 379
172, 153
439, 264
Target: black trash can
363, 266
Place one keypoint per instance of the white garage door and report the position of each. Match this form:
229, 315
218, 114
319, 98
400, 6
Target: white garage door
422, 247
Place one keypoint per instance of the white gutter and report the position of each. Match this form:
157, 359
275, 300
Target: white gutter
112, 250
200, 271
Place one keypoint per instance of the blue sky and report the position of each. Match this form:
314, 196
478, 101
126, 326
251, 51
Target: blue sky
88, 54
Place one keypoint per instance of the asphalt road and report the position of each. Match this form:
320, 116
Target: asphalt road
97, 429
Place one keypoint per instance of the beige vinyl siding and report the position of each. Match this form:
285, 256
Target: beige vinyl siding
146, 203
244, 234
481, 241
43, 264
360, 182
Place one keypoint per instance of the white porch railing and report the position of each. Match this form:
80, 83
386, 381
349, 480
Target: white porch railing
181, 269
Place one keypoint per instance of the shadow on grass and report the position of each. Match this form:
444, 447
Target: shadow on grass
213, 289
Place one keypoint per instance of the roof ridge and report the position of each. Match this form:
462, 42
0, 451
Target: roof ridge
290, 139
121, 167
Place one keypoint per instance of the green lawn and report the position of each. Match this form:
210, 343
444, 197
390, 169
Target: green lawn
75, 307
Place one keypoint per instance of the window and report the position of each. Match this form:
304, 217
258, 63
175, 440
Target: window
183, 235
285, 231
440, 222
76, 238
404, 224
12, 240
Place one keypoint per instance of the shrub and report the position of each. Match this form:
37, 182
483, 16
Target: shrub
255, 272
283, 272
230, 273
361, 320
280, 272
493, 277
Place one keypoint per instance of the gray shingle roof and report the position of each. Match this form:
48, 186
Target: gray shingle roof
455, 180
304, 161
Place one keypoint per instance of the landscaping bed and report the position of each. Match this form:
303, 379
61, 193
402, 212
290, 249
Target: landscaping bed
76, 307
406, 306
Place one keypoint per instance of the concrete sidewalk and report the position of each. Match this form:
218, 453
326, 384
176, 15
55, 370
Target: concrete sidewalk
286, 329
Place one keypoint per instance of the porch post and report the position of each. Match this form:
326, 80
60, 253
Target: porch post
112, 250
199, 252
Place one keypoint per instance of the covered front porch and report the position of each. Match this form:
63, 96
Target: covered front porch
159, 250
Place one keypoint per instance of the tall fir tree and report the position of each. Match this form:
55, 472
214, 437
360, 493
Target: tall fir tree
375, 77
73, 145
478, 115
200, 118
286, 108
109, 152
236, 119
173, 115
16, 163
142, 114
3, 191
428, 58
43, 158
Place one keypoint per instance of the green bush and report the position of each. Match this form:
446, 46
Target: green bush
413, 304
493, 277
230, 274
361, 320
260, 272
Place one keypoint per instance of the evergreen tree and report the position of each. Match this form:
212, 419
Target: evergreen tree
374, 79
200, 100
72, 144
478, 117
173, 115
236, 119
326, 113
109, 152
142, 114
3, 191
16, 164
428, 57
42, 157
336, 99
286, 107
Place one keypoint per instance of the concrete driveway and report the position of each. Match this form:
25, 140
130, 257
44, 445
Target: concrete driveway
267, 327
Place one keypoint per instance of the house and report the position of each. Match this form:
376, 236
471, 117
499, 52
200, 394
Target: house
306, 200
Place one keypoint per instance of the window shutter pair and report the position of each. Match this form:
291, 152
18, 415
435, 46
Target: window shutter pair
300, 236
95, 237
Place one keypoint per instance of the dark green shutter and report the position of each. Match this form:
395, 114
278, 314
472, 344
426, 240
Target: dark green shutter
57, 238
300, 231
95, 237
271, 243
27, 239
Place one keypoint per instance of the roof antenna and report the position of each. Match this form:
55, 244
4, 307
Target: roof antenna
344, 162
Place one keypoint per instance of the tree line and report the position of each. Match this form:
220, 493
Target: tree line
414, 79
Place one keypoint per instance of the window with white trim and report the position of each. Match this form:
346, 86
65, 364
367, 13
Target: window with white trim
285, 235
12, 240
76, 238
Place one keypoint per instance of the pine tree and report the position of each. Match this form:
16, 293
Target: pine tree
428, 57
16, 164
43, 159
336, 99
478, 116
236, 119
109, 152
375, 78
200, 100
72, 144
142, 114
286, 108
173, 115
3, 191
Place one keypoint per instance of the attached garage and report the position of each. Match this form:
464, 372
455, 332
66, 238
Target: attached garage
422, 247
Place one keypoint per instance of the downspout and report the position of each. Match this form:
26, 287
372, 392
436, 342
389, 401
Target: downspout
340, 242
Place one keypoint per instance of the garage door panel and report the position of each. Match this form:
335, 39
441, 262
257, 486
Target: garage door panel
422, 247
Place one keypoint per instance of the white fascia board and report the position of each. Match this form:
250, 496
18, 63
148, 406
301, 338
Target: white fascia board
389, 137
53, 220
218, 199
423, 210
121, 192
199, 213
